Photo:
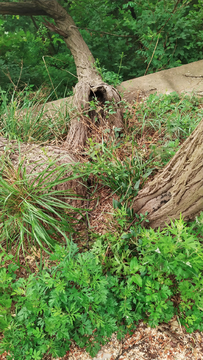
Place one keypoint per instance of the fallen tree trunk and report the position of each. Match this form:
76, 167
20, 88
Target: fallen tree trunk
178, 188
36, 158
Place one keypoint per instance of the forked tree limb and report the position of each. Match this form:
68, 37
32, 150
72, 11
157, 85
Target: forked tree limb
83, 57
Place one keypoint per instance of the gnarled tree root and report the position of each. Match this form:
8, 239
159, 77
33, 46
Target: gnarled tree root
81, 124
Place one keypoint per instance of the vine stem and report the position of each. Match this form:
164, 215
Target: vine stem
153, 53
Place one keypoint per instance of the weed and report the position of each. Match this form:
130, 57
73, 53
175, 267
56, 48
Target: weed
163, 153
123, 177
110, 77
7, 276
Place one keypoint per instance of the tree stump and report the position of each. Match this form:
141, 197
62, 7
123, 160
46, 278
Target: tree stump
86, 120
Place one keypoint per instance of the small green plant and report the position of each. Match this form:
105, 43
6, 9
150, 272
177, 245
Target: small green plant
32, 211
162, 154
174, 257
110, 77
123, 177
7, 277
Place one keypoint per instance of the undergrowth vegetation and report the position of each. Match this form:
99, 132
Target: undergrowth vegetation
85, 297
126, 273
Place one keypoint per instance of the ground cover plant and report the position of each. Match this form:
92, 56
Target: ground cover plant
126, 273
126, 277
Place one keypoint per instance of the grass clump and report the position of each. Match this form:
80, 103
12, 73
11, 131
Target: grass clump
28, 120
117, 166
33, 212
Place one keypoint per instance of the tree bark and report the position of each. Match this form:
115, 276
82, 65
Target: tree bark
86, 121
90, 83
27, 8
178, 188
36, 158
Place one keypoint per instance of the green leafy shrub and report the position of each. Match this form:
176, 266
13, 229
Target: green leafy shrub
69, 301
174, 258
163, 265
126, 276
36, 57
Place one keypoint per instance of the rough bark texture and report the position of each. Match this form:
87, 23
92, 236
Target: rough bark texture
178, 188
85, 120
28, 9
36, 158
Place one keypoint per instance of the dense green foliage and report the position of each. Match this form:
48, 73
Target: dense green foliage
126, 276
128, 38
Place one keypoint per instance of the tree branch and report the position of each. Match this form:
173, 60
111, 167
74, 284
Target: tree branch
52, 27
26, 8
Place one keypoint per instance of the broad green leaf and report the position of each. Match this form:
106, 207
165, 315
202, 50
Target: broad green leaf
137, 280
134, 266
